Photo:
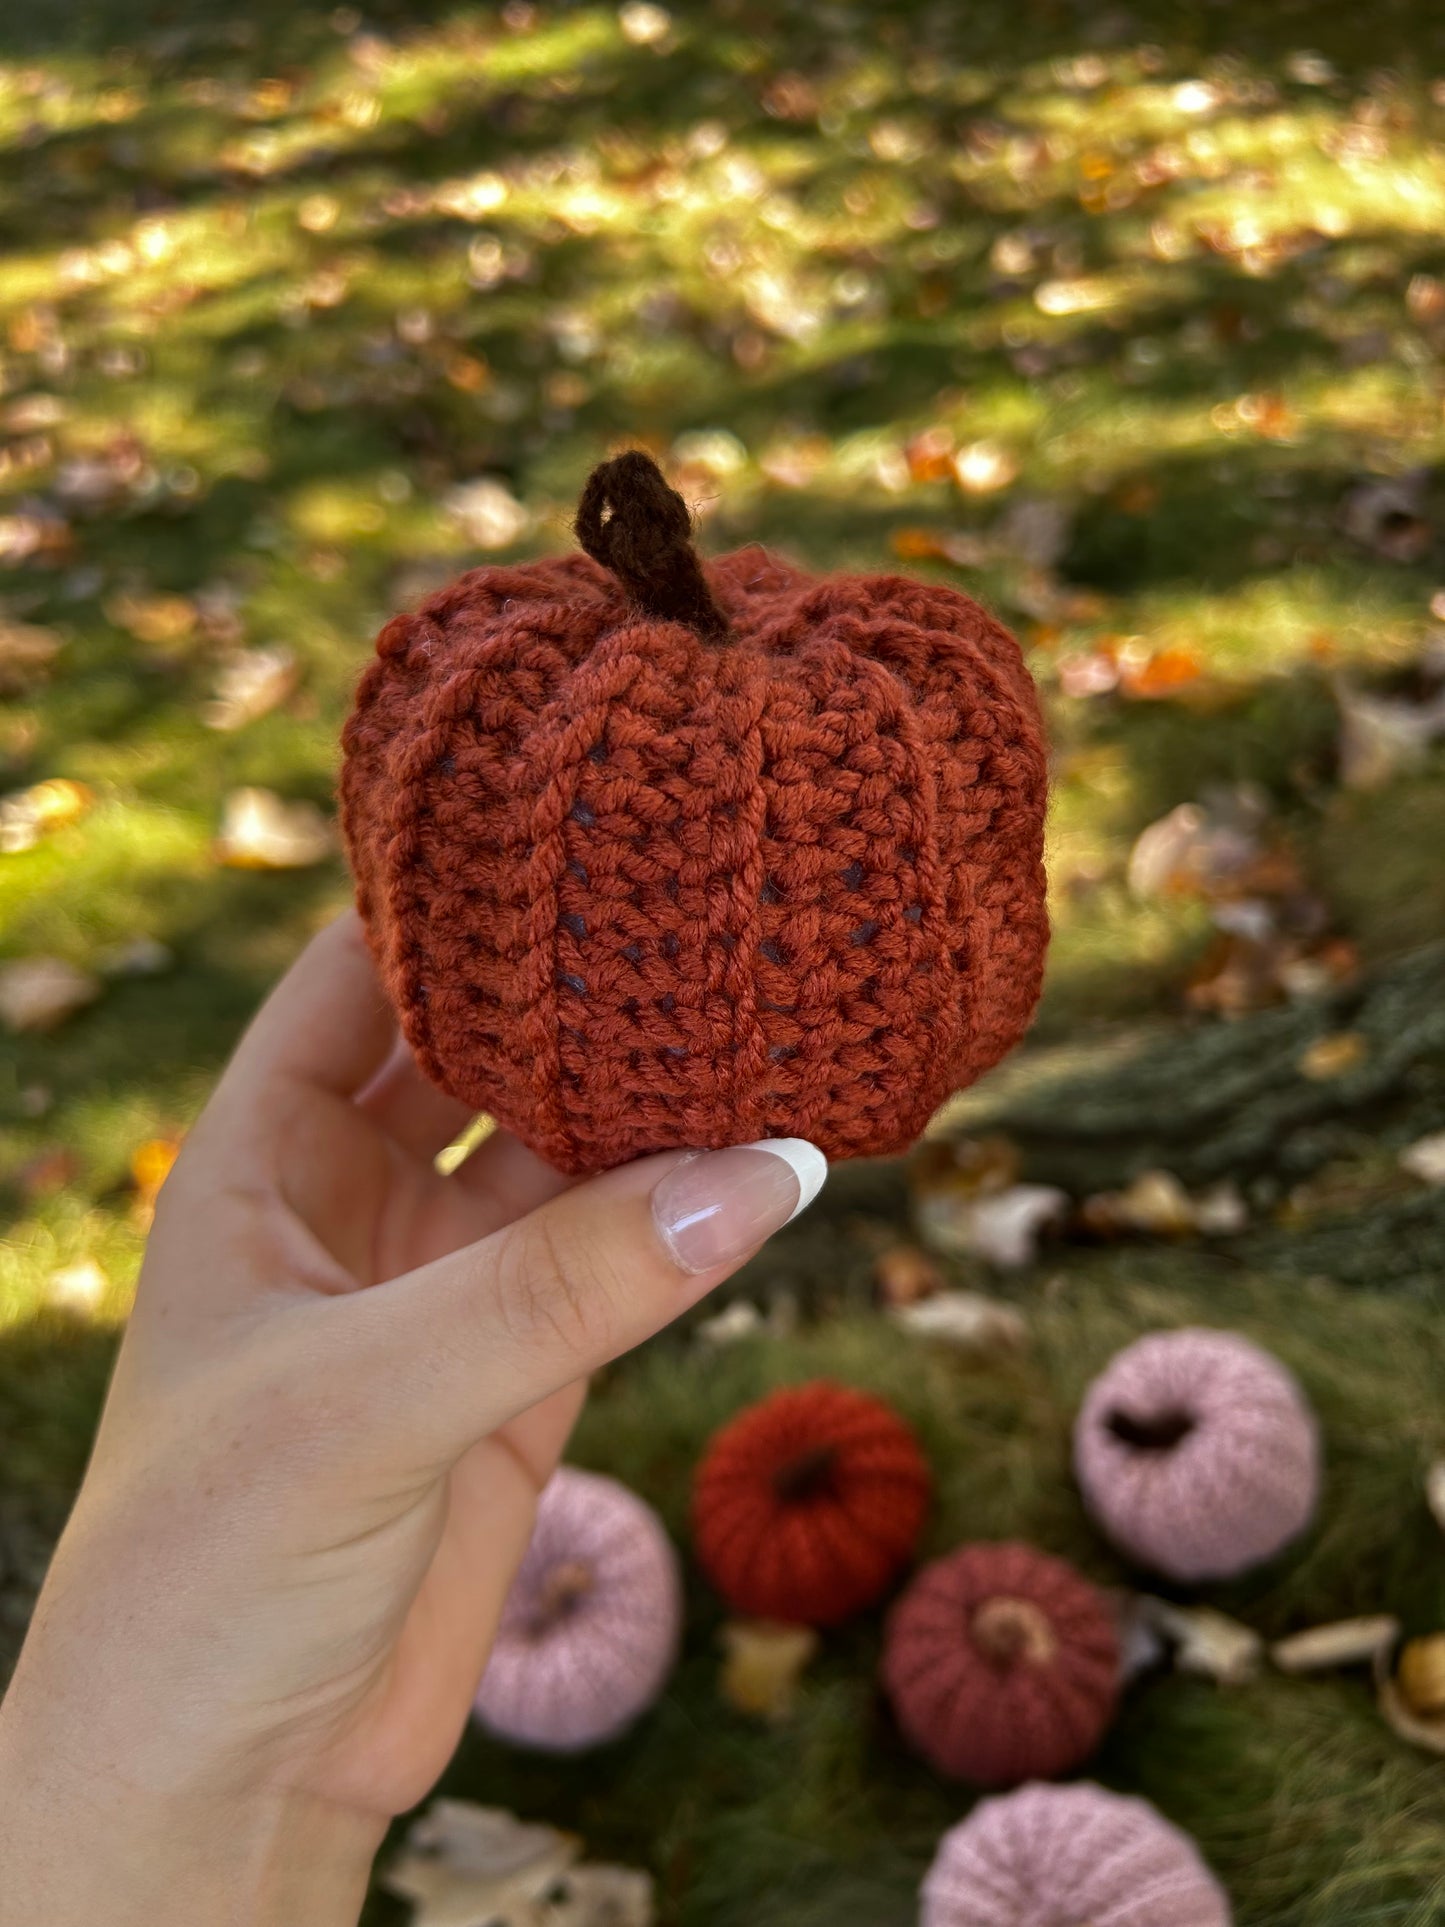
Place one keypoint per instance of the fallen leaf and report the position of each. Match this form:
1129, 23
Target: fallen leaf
903, 1274
1155, 1205
1335, 1055
969, 1320
1205, 1641
1425, 1158
1200, 851
135, 957
1382, 737
471, 1866
487, 513
982, 468
164, 622
948, 1174
1160, 674
26, 654
38, 993
150, 1166
79, 1287
31, 814
250, 683
741, 1319
260, 831
762, 1665
1343, 1642
1387, 516
1435, 1492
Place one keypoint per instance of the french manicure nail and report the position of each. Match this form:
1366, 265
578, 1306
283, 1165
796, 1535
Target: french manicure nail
716, 1209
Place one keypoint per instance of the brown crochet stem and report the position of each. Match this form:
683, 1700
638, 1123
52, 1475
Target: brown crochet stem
1008, 1630
806, 1476
631, 522
1159, 1432
565, 1588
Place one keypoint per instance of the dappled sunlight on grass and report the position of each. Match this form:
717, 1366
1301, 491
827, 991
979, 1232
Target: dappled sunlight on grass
1128, 321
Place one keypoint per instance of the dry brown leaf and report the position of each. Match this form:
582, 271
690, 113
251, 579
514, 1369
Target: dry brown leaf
28, 815
1335, 1055
38, 993
1343, 1642
903, 1275
260, 831
1206, 1642
471, 1866
1382, 737
969, 1320
250, 683
1155, 1205
26, 654
762, 1665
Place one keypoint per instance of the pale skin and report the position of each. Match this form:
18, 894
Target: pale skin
345, 1381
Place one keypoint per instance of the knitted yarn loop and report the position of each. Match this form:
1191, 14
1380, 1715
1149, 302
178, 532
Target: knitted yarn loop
630, 521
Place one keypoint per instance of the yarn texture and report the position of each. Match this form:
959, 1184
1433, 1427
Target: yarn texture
1070, 1856
1002, 1665
1197, 1454
653, 851
807, 1505
592, 1625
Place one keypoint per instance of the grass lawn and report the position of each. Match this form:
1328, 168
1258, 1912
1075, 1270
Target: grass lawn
1127, 318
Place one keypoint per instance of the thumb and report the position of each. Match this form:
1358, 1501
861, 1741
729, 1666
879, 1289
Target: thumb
468, 1342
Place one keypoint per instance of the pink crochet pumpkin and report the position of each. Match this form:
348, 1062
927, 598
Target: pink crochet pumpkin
591, 1627
1060, 1856
1197, 1454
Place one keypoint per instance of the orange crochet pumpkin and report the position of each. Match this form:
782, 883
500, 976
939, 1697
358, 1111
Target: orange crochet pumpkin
807, 1505
653, 853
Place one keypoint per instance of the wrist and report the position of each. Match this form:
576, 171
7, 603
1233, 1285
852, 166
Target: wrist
79, 1843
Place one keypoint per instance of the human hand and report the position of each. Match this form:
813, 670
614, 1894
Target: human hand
345, 1380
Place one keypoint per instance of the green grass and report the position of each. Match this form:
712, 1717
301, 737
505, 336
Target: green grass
275, 279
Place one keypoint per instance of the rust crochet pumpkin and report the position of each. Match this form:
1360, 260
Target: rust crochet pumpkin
657, 854
807, 1505
1002, 1664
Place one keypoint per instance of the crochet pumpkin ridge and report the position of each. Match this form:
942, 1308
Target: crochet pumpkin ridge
691, 853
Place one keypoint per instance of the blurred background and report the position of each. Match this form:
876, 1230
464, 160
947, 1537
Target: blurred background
1128, 319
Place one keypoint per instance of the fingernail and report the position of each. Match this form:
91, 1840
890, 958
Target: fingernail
718, 1208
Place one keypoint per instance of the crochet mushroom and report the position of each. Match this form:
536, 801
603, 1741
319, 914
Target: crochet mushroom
653, 852
1059, 1856
807, 1505
591, 1627
1002, 1665
1197, 1454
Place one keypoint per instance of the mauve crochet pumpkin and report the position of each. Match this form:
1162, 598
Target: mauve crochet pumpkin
1197, 1454
1002, 1664
656, 853
593, 1621
1060, 1856
808, 1504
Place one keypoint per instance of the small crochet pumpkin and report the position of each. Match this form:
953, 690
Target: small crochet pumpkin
1059, 1856
1002, 1664
1197, 1454
653, 853
592, 1624
807, 1505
